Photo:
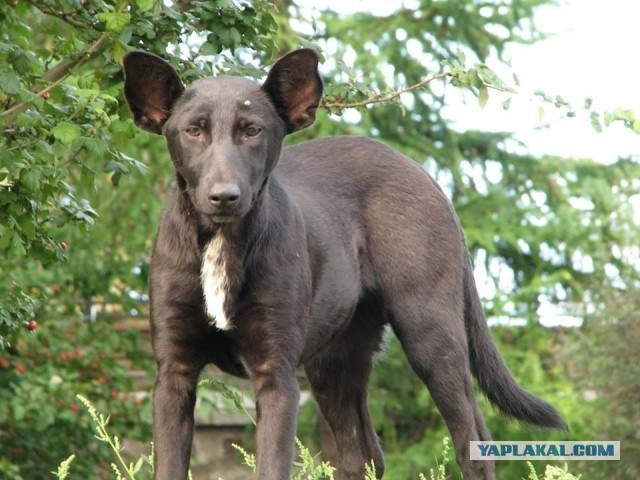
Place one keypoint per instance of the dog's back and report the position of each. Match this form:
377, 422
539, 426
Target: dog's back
370, 191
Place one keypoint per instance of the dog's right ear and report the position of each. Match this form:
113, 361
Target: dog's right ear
151, 87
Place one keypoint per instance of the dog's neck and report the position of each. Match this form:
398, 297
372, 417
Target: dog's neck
230, 249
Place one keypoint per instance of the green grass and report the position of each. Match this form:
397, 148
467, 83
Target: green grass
307, 465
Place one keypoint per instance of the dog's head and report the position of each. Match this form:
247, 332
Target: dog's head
224, 134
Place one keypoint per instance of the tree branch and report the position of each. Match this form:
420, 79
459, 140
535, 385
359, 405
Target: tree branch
59, 74
380, 98
64, 16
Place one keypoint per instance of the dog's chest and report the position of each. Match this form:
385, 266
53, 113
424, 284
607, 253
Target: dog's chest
218, 281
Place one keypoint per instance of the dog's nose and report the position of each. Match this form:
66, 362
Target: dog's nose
224, 195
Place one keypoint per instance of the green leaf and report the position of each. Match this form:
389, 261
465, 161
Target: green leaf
115, 21
541, 113
595, 122
21, 62
30, 180
66, 132
28, 227
97, 146
235, 36
17, 248
475, 79
138, 465
624, 114
58, 220
608, 118
462, 57
9, 82
115, 166
145, 4
5, 237
483, 96
489, 76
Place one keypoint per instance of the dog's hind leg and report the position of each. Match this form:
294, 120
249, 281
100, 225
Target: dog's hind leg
339, 376
432, 334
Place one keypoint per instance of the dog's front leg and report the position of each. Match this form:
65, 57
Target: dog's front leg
277, 396
174, 397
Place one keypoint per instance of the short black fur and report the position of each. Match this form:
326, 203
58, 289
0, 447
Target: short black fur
268, 259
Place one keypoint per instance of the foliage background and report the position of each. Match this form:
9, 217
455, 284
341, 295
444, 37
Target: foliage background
81, 191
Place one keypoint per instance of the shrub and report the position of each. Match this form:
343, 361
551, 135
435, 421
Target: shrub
41, 420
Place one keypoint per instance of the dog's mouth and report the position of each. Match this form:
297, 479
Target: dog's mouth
224, 216
228, 218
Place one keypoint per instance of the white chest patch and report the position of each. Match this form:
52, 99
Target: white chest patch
215, 282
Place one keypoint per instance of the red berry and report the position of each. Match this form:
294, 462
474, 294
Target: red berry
32, 325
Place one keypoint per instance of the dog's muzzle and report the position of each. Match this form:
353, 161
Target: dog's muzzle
224, 200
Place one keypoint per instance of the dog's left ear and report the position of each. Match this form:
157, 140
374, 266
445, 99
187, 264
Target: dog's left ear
295, 88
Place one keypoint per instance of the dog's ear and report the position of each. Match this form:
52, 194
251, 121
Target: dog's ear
295, 88
151, 87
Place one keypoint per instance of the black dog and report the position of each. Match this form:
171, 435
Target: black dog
270, 258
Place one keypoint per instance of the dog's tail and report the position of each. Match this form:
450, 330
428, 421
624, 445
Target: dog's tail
492, 373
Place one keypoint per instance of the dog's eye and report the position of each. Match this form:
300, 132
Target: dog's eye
193, 131
252, 131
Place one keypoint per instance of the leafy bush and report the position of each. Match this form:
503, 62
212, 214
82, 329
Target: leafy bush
606, 367
41, 420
